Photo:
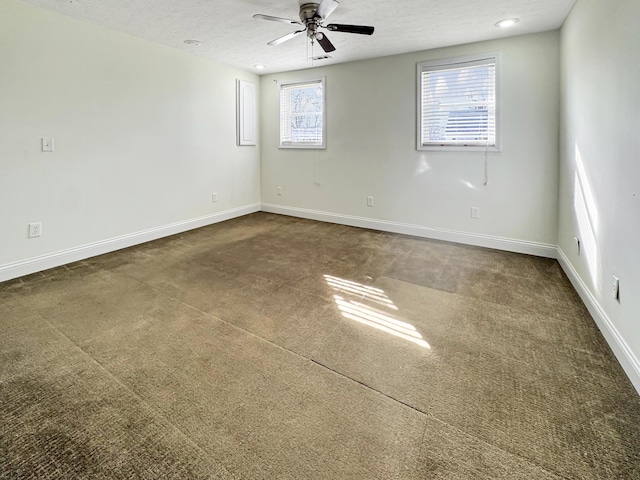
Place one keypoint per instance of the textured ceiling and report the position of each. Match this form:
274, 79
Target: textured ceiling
230, 35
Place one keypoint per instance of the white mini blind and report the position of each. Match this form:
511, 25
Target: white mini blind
302, 114
458, 104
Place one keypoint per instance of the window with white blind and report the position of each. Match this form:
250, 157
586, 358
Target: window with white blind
457, 104
302, 114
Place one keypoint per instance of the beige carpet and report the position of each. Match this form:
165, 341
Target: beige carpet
275, 347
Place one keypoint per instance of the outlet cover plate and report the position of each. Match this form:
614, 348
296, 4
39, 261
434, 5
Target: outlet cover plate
47, 144
35, 230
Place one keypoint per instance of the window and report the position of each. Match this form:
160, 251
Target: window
302, 118
457, 104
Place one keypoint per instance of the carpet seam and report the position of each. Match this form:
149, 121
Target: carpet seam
481, 440
206, 455
430, 415
368, 387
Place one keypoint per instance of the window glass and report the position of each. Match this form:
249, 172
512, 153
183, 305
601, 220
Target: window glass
302, 115
457, 104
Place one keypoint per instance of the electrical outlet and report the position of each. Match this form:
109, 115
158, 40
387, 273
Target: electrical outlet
475, 212
576, 241
35, 230
369, 201
47, 144
279, 190
214, 197
615, 287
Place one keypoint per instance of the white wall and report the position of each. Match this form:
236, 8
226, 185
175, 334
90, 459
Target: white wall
371, 108
600, 167
143, 136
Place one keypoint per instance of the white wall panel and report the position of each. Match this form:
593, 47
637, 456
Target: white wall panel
371, 147
144, 135
600, 167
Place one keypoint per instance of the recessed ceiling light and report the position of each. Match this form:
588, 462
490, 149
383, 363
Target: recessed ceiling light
259, 66
506, 23
195, 43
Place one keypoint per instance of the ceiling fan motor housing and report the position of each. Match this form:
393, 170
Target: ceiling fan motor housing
309, 16
308, 12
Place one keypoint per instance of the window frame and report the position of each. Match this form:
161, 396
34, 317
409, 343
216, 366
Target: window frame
304, 145
452, 62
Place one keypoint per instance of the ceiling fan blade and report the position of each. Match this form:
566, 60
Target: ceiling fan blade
276, 19
361, 29
286, 37
324, 42
326, 8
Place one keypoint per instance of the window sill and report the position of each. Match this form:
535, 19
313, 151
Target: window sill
303, 147
457, 148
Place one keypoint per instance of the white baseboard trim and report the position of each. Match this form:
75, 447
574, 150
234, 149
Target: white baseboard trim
628, 361
51, 260
623, 353
489, 241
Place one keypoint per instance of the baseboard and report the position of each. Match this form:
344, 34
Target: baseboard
623, 353
44, 262
489, 241
621, 350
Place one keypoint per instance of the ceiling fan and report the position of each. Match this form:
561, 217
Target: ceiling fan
311, 17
